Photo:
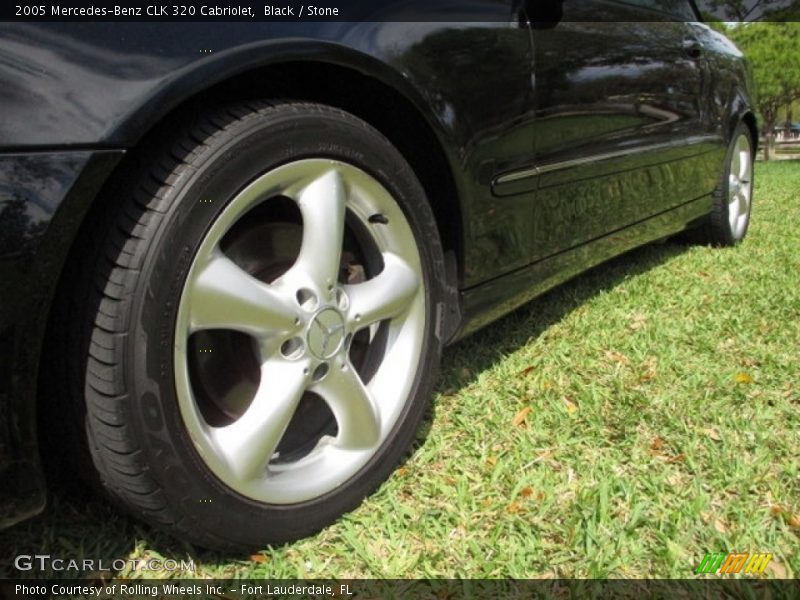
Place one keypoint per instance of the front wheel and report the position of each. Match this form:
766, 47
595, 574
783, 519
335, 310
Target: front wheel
265, 345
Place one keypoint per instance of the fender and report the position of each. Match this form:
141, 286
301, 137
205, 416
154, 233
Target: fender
198, 77
740, 109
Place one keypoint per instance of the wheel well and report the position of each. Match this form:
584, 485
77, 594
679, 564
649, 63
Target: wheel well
375, 102
749, 119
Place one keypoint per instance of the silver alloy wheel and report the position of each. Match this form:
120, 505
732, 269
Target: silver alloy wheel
302, 325
740, 186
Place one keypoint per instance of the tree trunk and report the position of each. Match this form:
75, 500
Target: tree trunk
770, 118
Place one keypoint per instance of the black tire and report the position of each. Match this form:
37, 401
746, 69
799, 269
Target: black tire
719, 229
137, 433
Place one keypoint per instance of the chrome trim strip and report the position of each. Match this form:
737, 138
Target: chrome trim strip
576, 162
517, 175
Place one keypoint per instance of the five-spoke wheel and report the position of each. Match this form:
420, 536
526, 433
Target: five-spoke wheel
300, 326
740, 190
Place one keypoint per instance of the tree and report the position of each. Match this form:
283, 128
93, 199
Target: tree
772, 50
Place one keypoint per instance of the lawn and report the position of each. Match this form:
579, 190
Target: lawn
622, 425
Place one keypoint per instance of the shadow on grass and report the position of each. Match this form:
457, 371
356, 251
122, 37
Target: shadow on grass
78, 524
465, 360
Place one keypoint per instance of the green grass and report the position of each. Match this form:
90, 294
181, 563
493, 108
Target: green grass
664, 422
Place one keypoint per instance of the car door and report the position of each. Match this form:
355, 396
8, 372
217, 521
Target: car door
619, 119
477, 79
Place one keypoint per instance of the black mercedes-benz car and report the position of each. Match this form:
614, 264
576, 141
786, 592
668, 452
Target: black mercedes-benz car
231, 253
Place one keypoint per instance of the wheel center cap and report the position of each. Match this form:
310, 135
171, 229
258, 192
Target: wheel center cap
325, 333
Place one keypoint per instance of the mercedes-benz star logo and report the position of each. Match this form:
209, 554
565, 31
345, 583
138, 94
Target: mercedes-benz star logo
325, 333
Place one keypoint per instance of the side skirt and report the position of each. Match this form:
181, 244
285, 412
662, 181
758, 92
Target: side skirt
489, 301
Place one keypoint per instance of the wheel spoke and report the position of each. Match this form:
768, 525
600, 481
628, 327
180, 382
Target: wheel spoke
734, 210
741, 163
353, 407
740, 223
384, 296
736, 162
743, 201
249, 443
223, 296
322, 205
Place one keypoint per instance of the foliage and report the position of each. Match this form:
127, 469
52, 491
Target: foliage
772, 50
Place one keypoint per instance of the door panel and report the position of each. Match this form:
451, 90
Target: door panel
618, 122
477, 77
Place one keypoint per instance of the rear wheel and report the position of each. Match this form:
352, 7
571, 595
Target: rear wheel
264, 347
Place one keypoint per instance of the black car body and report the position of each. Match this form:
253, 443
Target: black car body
544, 148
